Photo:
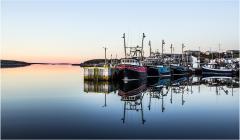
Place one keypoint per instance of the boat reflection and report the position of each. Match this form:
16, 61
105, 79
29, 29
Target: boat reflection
221, 84
156, 90
133, 93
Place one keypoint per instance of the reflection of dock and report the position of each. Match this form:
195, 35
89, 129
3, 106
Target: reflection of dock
99, 86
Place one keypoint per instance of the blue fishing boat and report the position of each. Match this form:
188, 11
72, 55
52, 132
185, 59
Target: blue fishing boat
155, 68
158, 71
179, 70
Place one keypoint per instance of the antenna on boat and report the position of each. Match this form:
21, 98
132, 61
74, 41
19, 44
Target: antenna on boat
143, 36
124, 43
150, 47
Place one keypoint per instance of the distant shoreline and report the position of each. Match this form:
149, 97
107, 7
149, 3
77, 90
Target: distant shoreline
89, 63
15, 64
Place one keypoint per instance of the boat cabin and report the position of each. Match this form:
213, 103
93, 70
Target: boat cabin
129, 61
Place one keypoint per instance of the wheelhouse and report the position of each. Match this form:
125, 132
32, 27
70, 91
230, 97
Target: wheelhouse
127, 61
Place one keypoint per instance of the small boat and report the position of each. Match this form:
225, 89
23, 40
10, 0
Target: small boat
131, 69
215, 69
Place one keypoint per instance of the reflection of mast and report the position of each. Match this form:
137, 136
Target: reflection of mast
199, 85
163, 108
133, 103
171, 95
232, 86
157, 92
150, 101
182, 97
105, 100
154, 92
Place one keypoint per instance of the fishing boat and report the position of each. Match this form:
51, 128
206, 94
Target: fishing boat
179, 70
131, 69
214, 69
155, 66
155, 69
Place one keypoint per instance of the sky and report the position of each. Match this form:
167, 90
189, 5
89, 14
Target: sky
73, 31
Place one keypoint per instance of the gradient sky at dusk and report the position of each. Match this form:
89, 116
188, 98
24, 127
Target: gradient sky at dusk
76, 30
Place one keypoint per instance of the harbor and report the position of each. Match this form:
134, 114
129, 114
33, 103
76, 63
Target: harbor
120, 69
136, 66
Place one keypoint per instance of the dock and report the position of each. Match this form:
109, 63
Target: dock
99, 73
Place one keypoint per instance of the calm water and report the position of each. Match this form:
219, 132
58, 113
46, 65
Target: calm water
54, 102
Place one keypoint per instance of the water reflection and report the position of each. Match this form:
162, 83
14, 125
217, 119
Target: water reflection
40, 103
133, 92
221, 84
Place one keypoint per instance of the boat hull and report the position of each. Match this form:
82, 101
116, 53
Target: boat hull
155, 71
128, 72
179, 70
209, 71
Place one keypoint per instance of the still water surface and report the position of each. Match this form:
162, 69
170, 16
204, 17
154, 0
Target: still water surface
55, 102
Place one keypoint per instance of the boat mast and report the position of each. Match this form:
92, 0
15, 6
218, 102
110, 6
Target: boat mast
150, 47
199, 55
219, 55
182, 51
211, 52
171, 52
105, 49
162, 47
124, 43
143, 36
